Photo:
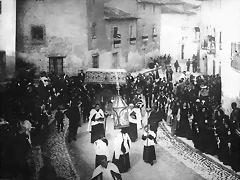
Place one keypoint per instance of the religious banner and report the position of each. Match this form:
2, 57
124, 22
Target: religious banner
106, 76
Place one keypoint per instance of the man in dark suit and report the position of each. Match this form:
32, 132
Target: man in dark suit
73, 115
154, 118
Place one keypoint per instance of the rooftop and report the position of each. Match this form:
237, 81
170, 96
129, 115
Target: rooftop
112, 13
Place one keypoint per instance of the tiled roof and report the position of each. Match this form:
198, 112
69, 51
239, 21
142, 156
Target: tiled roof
162, 2
166, 9
112, 13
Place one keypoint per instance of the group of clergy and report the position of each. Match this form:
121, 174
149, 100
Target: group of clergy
122, 142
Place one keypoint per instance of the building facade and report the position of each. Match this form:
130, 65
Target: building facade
53, 35
112, 35
7, 38
220, 39
179, 32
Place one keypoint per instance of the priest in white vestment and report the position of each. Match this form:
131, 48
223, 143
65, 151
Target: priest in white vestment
106, 171
134, 122
122, 146
101, 148
96, 123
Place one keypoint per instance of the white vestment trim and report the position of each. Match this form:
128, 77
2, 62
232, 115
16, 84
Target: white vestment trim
99, 114
118, 144
100, 169
101, 148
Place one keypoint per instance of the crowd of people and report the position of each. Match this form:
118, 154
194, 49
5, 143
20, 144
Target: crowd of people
191, 106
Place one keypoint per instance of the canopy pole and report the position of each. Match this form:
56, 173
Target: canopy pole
117, 85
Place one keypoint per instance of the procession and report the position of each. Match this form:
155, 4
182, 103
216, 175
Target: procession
120, 90
190, 106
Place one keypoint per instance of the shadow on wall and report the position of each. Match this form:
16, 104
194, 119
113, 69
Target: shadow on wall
135, 62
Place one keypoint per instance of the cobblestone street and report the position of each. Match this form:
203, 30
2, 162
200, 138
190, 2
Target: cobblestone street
167, 166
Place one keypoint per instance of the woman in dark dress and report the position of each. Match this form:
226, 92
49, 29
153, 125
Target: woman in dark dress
184, 129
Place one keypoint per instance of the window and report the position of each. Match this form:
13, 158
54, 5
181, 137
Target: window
95, 61
116, 33
220, 41
154, 7
94, 25
144, 29
154, 29
56, 65
130, 31
37, 32
144, 6
0, 7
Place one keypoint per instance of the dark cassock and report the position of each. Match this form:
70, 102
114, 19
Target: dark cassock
149, 154
122, 146
134, 120
96, 123
73, 115
101, 148
154, 119
106, 171
184, 129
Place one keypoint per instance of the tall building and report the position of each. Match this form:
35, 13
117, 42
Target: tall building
220, 39
7, 38
179, 31
112, 35
53, 35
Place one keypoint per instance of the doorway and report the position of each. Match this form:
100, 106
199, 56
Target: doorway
56, 65
214, 66
182, 51
115, 60
2, 65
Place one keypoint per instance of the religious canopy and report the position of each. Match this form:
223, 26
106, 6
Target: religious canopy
106, 76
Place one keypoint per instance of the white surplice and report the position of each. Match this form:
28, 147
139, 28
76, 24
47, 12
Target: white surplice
99, 114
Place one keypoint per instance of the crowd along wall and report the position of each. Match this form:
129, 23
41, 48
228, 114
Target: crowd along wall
7, 38
224, 17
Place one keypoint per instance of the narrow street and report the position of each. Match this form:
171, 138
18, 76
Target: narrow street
167, 167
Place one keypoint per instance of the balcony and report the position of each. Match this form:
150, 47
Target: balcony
132, 40
116, 42
145, 38
154, 36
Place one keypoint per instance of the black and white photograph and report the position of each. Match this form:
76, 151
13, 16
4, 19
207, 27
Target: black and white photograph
120, 89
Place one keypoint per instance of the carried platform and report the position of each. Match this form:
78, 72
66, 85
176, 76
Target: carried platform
105, 76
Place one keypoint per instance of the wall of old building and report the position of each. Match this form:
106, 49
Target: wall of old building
66, 30
148, 18
172, 34
7, 37
214, 13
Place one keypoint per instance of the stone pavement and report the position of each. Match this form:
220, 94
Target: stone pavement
55, 147
167, 166
193, 158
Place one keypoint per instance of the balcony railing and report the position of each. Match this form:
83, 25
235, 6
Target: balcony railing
145, 38
133, 40
116, 42
155, 35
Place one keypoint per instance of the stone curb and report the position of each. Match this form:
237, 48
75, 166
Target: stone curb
59, 154
192, 158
